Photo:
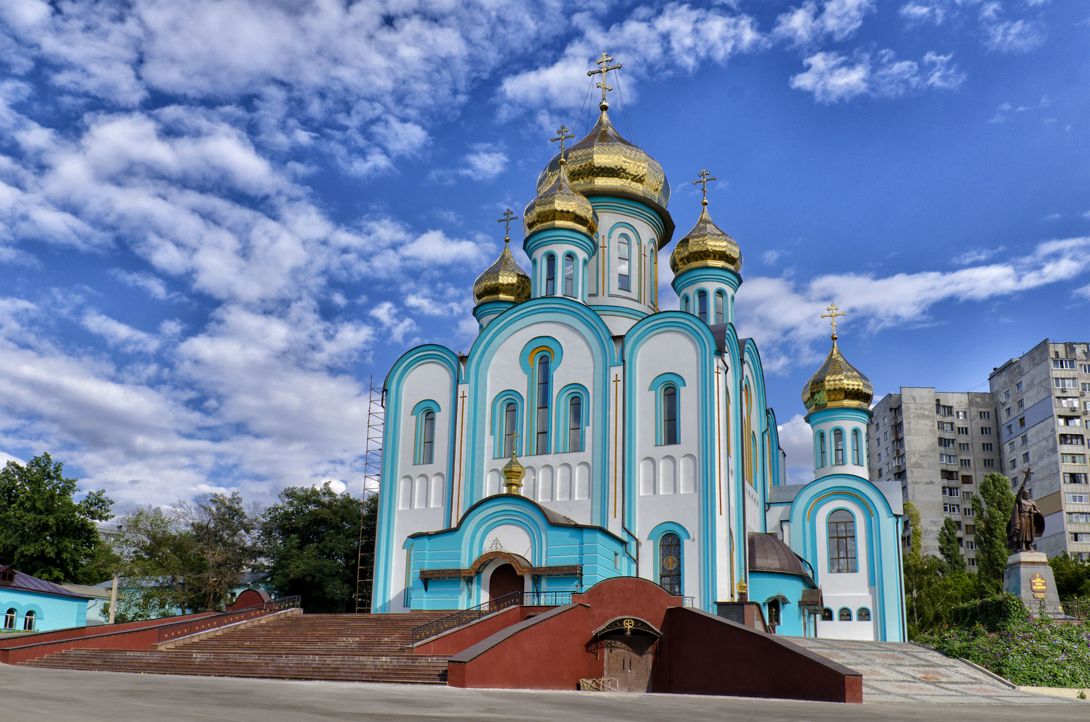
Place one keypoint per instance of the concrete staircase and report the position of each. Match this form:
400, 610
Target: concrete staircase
907, 673
340, 647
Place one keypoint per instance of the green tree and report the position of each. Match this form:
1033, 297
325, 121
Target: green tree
992, 507
158, 556
44, 531
224, 548
1072, 576
310, 540
933, 587
949, 550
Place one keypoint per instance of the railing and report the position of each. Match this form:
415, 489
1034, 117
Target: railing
1078, 607
176, 631
468, 616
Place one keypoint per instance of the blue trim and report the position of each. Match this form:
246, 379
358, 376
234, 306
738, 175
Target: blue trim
563, 407
384, 545
718, 276
655, 537
641, 211
483, 311
558, 237
426, 405
419, 413
657, 387
669, 526
610, 310
499, 428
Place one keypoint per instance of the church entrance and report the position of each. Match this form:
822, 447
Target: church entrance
504, 580
628, 662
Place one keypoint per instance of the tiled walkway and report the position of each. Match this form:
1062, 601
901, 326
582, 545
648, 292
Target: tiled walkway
911, 673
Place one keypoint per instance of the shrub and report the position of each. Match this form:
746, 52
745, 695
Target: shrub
996, 613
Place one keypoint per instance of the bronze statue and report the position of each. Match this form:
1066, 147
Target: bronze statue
1027, 522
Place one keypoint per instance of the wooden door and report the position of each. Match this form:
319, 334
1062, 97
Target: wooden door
628, 660
504, 580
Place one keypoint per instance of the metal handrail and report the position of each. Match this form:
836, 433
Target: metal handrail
472, 614
185, 629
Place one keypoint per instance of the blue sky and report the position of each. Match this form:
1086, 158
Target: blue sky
219, 219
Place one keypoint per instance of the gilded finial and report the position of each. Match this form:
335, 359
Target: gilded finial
603, 63
508, 216
703, 179
562, 134
833, 312
513, 471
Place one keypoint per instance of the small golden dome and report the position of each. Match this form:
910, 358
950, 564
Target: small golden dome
513, 472
837, 385
604, 163
558, 206
503, 280
706, 246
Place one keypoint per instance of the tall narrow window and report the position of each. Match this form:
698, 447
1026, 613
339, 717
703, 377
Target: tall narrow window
541, 428
838, 447
823, 451
702, 305
510, 419
842, 551
575, 424
685, 304
670, 563
720, 311
624, 266
28, 622
669, 415
857, 454
569, 276
550, 275
426, 444
9, 619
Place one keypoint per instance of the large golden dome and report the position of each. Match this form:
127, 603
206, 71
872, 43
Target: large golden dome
558, 206
837, 385
706, 246
604, 163
503, 280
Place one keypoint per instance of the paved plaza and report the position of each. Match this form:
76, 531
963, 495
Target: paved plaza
68, 696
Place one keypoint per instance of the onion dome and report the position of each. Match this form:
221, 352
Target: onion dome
503, 280
837, 385
513, 471
604, 163
706, 246
558, 206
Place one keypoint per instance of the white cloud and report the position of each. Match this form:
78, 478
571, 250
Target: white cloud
779, 312
976, 255
772, 257
1083, 292
1009, 36
392, 321
147, 282
797, 441
836, 19
832, 77
117, 334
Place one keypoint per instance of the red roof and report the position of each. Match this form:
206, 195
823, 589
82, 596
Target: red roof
27, 583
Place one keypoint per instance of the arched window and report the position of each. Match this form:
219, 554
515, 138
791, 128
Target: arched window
773, 612
510, 427
685, 303
838, 447
857, 445
653, 270
670, 431
569, 275
9, 619
670, 562
823, 451
425, 445
863, 615
826, 615
842, 548
624, 264
702, 305
575, 424
541, 399
28, 621
844, 615
720, 307
550, 275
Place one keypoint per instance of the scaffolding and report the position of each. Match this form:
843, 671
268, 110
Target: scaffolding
372, 479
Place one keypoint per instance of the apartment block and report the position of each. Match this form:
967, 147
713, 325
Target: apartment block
938, 445
1042, 401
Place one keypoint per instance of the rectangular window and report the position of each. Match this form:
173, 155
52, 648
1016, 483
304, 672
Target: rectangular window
963, 430
1007, 412
1077, 498
966, 479
1073, 458
989, 463
985, 414
951, 508
971, 561
569, 276
1070, 421
550, 275
1085, 368
720, 313
1021, 404
948, 475
1072, 440
966, 463
1063, 363
1062, 382
1025, 440
842, 554
624, 278
946, 425
943, 410
1080, 537
963, 447
970, 528
946, 443
1078, 517
986, 446
1086, 387
1025, 457
1074, 477
960, 415
947, 459
985, 431
1018, 386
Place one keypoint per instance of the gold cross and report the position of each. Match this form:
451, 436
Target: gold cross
603, 63
703, 179
514, 436
833, 312
508, 216
562, 134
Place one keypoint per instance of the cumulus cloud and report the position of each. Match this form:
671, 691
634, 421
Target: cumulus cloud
809, 22
779, 312
832, 77
117, 334
796, 439
1005, 35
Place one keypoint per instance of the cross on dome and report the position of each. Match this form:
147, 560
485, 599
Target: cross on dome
703, 179
833, 313
505, 219
603, 63
563, 133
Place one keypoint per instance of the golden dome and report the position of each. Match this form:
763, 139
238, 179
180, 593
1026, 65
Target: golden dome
558, 206
604, 163
513, 472
706, 246
503, 280
837, 385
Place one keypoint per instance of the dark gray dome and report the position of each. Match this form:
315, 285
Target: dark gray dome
769, 554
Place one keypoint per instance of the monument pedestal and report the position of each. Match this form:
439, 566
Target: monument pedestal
1029, 577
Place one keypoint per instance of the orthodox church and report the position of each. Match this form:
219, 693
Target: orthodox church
588, 434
